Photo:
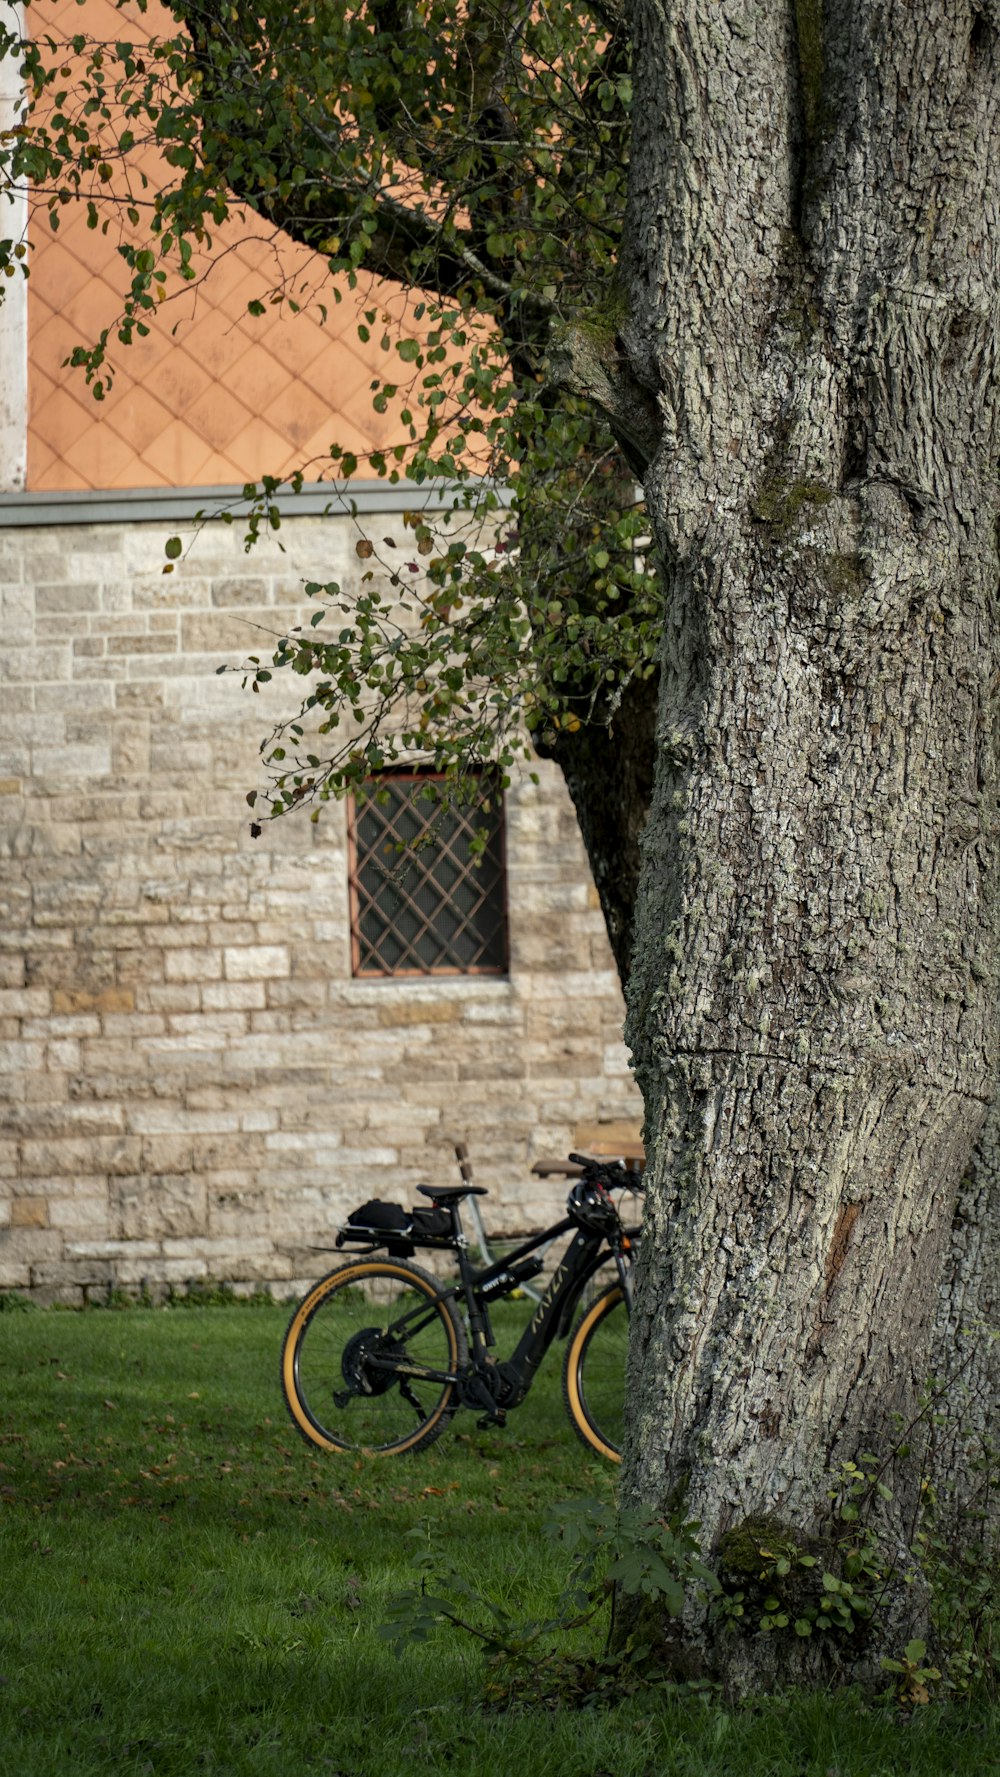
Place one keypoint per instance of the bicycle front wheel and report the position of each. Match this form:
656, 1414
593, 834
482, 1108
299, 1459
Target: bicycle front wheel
594, 1374
369, 1359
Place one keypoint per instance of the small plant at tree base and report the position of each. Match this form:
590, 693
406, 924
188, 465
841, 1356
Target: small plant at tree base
962, 1578
913, 1678
790, 1582
627, 1552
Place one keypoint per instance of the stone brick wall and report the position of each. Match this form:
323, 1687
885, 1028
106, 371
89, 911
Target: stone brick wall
192, 1086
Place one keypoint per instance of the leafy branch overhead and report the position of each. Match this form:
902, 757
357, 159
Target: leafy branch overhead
474, 157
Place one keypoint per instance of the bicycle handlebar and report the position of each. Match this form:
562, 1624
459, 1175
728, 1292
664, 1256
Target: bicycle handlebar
611, 1173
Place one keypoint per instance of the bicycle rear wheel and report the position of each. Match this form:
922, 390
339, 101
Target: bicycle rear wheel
594, 1374
367, 1357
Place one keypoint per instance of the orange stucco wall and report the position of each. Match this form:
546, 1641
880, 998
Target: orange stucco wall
212, 395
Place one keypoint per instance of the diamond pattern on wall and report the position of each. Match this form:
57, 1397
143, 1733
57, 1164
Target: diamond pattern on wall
212, 395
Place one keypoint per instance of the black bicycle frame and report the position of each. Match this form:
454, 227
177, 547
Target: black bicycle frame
587, 1251
552, 1317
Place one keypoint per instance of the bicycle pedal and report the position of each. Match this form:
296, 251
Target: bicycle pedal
493, 1421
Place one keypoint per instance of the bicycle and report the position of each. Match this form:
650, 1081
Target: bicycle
379, 1355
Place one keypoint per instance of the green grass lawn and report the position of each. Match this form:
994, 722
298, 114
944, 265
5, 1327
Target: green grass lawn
186, 1587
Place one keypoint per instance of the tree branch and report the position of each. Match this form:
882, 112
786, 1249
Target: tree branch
588, 361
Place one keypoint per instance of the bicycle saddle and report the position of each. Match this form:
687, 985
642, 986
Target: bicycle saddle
451, 1193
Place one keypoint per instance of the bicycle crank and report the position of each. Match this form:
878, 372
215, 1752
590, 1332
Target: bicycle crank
475, 1391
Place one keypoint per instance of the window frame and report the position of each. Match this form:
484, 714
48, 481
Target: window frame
445, 972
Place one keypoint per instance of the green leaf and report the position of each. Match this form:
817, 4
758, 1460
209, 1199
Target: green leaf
173, 548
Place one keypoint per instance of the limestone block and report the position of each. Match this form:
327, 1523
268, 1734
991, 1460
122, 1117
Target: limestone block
185, 1270
208, 1082
73, 1270
57, 1158
177, 996
103, 999
43, 666
24, 1002
21, 1248
256, 1246
410, 1143
28, 1212
113, 1250
171, 1119
168, 593
71, 762
61, 1056
93, 555
241, 591
66, 1119
256, 962
224, 1024
412, 1122
65, 598
79, 1215
134, 1026
234, 1213
302, 1141
364, 1157
173, 1049
158, 1204
236, 995
258, 1121
236, 930
167, 666
406, 1011
212, 1153
17, 607
130, 751
172, 1153
20, 1057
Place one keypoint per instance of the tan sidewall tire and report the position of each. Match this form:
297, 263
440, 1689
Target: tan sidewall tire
355, 1272
587, 1433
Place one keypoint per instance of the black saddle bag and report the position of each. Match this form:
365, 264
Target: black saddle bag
399, 1230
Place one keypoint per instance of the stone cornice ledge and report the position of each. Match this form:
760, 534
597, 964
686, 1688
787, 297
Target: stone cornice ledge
160, 505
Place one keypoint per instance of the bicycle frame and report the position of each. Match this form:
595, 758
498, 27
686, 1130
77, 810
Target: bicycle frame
487, 1252
553, 1315
550, 1320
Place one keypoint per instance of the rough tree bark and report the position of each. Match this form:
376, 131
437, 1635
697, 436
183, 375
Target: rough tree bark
963, 1433
813, 274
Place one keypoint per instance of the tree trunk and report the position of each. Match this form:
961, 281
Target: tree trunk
963, 1431
608, 769
813, 998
